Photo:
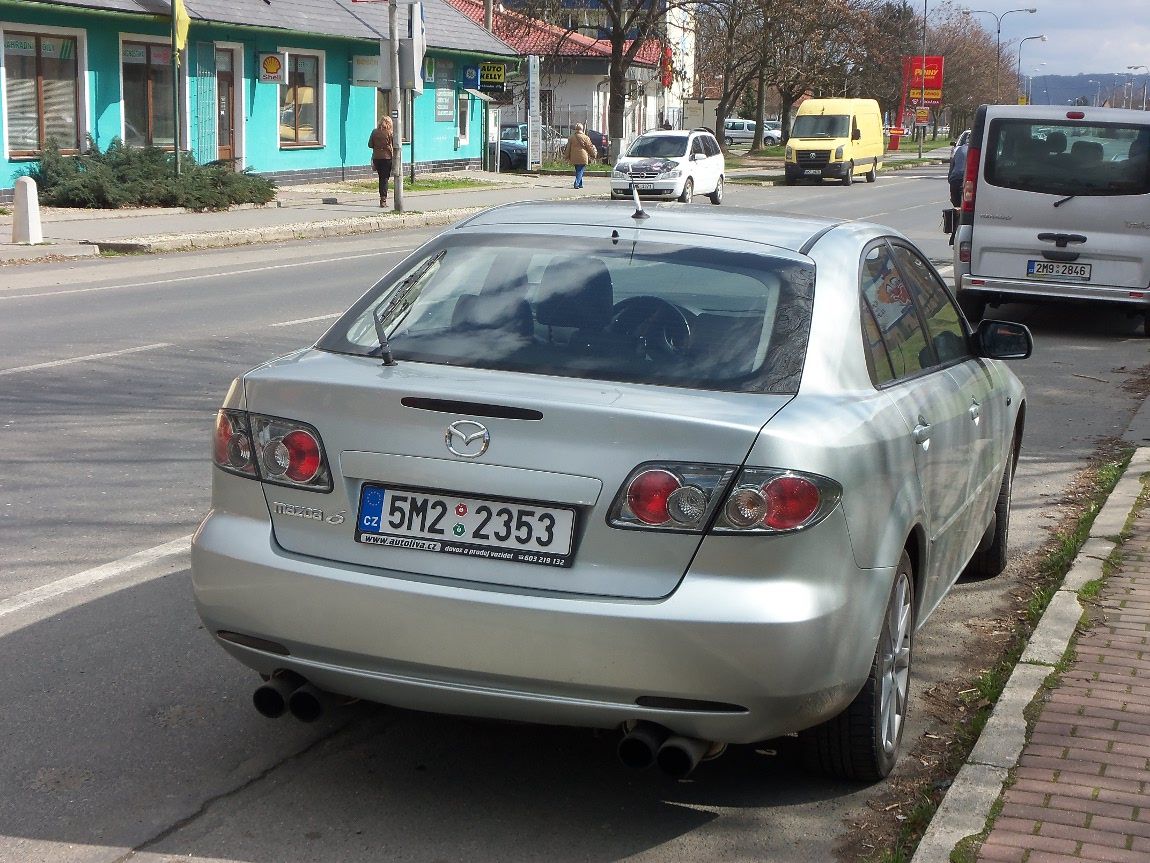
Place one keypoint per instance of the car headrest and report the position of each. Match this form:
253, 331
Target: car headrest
499, 311
1087, 151
575, 292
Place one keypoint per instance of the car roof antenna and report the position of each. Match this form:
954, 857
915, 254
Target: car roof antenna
638, 214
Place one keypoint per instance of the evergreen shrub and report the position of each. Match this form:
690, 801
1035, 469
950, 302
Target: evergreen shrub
124, 176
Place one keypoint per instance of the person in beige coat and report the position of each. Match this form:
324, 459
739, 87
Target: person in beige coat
580, 152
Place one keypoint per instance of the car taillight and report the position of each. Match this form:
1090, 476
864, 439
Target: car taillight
273, 449
766, 500
970, 179
689, 497
232, 446
677, 496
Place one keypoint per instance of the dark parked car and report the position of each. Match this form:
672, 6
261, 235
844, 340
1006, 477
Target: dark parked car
601, 141
512, 155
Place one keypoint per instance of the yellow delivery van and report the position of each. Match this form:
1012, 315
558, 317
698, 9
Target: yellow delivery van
835, 138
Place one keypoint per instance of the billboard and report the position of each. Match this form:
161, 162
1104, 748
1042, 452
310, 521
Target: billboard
913, 74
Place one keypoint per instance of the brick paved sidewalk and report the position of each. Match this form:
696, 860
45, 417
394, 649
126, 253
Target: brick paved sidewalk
1082, 786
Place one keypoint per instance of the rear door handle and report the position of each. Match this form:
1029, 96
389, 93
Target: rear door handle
975, 410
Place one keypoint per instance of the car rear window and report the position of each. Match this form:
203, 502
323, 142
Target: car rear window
1065, 157
645, 312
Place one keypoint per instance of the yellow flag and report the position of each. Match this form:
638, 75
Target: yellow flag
180, 22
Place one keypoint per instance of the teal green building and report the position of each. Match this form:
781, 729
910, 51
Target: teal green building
285, 88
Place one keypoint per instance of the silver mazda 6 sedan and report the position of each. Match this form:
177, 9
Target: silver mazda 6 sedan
698, 479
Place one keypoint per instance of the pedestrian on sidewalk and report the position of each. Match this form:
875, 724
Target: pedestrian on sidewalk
580, 152
382, 143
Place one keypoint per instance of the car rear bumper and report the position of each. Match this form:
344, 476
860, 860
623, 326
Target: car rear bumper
722, 658
997, 290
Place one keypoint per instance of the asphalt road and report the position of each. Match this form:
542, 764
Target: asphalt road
126, 730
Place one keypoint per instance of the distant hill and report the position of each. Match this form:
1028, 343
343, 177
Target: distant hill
1066, 89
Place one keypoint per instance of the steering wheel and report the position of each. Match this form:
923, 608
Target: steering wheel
659, 328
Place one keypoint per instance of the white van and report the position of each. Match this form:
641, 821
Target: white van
1055, 206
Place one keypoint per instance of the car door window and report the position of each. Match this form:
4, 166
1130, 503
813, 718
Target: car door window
890, 302
697, 147
710, 146
877, 359
943, 320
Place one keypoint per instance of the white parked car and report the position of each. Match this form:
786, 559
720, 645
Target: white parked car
671, 164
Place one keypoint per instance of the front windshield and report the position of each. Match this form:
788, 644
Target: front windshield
659, 146
821, 126
648, 312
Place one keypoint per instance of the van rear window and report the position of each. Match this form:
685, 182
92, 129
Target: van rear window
1068, 158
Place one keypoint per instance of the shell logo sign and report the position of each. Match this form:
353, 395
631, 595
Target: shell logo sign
272, 68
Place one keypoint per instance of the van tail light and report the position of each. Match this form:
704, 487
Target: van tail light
275, 450
964, 252
686, 497
970, 180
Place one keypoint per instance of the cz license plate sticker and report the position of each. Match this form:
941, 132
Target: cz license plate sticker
465, 526
1058, 270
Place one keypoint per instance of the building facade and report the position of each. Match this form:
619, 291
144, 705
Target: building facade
274, 86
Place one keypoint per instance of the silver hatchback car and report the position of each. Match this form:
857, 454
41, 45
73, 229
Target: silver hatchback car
696, 479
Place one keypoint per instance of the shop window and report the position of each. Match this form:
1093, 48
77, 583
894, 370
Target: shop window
300, 102
149, 112
41, 93
383, 106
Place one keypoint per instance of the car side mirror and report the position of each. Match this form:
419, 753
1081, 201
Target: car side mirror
1003, 340
856, 135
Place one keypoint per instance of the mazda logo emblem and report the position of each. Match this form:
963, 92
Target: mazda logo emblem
467, 438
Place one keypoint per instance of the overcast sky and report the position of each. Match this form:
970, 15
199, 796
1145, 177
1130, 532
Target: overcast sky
1082, 36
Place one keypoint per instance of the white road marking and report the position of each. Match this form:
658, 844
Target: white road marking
306, 320
89, 577
54, 363
203, 277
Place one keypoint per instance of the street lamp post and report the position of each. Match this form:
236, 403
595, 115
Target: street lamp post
922, 82
997, 40
1018, 74
1144, 82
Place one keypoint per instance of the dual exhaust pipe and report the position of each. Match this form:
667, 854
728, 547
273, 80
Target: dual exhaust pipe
645, 744
288, 692
649, 743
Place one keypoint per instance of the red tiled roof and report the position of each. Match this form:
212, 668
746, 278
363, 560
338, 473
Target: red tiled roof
533, 36
530, 35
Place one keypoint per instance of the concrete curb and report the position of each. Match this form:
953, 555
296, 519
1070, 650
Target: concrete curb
281, 233
968, 801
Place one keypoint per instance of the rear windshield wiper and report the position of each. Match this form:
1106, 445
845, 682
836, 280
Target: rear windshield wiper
1059, 203
380, 316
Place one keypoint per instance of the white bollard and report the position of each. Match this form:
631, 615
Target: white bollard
26, 215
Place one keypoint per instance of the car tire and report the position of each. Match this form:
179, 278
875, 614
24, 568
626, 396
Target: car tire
688, 191
990, 558
730, 141
861, 743
873, 172
849, 176
717, 195
504, 162
789, 181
